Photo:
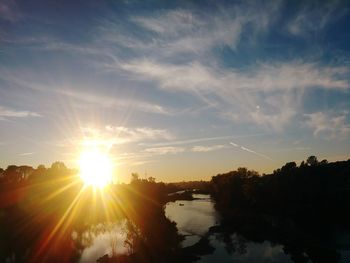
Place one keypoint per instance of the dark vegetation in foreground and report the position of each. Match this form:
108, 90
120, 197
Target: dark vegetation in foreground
300, 207
41, 208
304, 208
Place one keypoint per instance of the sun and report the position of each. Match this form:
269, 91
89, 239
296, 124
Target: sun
95, 168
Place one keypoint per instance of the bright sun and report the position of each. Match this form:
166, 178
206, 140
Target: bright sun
96, 168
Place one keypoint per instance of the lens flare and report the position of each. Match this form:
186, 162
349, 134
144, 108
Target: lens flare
96, 168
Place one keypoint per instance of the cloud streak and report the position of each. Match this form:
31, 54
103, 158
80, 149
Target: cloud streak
200, 148
313, 17
251, 151
165, 150
276, 88
9, 10
6, 113
328, 125
114, 135
26, 154
204, 139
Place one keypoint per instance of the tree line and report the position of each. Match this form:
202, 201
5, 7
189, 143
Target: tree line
312, 196
41, 207
312, 189
302, 207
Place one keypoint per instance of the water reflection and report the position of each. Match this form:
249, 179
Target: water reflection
102, 239
245, 251
201, 244
193, 218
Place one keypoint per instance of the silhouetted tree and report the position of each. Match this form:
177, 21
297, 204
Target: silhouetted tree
312, 160
289, 166
35, 201
58, 166
303, 164
298, 207
324, 161
134, 177
151, 179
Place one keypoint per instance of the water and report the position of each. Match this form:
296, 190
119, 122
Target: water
246, 251
194, 219
102, 239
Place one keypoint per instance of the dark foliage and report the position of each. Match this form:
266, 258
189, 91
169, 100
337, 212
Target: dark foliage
299, 207
313, 191
40, 208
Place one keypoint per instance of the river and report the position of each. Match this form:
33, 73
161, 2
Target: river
194, 218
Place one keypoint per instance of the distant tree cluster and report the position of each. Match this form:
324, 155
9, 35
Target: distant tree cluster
299, 207
198, 186
14, 174
312, 189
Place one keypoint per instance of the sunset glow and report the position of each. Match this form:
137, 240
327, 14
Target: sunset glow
174, 131
95, 168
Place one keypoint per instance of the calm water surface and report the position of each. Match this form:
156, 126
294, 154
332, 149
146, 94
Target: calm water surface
101, 239
194, 218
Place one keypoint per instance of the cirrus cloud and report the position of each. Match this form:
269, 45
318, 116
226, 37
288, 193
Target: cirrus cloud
165, 150
6, 113
201, 148
328, 125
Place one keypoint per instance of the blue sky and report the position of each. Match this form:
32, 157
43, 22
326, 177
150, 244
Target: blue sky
179, 90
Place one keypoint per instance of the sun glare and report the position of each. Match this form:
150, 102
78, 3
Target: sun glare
96, 168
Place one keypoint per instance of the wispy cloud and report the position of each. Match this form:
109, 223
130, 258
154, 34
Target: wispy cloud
6, 113
262, 77
200, 148
138, 163
165, 150
26, 80
26, 154
238, 65
9, 10
328, 125
168, 33
205, 139
182, 31
315, 16
266, 94
140, 133
250, 151
114, 135
111, 101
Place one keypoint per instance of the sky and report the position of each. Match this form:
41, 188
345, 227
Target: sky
176, 90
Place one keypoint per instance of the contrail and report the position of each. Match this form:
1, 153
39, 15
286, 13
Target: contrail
251, 151
200, 140
233, 144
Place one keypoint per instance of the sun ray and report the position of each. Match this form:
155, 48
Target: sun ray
59, 191
53, 232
